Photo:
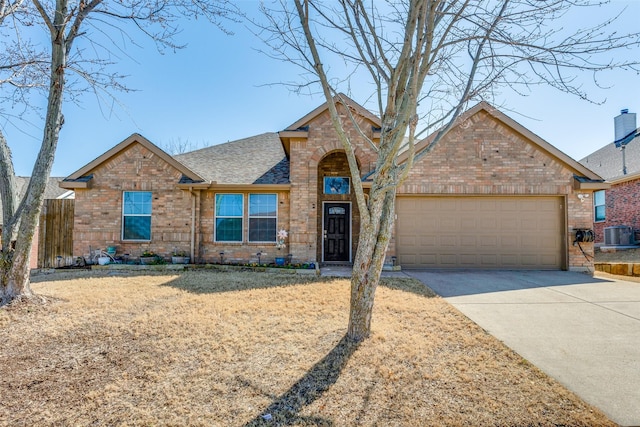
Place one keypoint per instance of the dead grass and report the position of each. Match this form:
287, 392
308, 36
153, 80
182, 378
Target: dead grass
228, 349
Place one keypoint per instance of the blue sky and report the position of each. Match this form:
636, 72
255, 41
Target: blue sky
220, 88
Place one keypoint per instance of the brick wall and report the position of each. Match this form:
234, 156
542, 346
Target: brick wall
484, 156
98, 217
622, 207
306, 192
481, 156
245, 251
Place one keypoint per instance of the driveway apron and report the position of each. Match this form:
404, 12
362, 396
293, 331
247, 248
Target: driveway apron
582, 331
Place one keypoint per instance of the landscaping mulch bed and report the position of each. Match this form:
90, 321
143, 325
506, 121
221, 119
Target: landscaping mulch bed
208, 348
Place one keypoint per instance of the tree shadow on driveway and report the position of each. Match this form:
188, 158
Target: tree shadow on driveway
285, 410
453, 283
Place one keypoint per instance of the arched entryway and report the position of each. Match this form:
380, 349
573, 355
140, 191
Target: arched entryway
339, 223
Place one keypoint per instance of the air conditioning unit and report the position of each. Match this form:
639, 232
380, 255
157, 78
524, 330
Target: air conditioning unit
618, 235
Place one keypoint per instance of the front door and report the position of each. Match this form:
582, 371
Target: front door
336, 231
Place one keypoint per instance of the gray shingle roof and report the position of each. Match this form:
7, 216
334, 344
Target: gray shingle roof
52, 191
258, 159
607, 161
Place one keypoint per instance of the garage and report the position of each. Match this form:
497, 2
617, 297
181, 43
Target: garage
483, 232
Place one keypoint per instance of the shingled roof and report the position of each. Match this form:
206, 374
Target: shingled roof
607, 161
52, 190
258, 159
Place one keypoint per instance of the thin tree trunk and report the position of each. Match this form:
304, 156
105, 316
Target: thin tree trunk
7, 194
16, 283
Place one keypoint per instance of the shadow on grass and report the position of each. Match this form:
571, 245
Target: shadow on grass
215, 281
408, 285
82, 273
212, 282
285, 410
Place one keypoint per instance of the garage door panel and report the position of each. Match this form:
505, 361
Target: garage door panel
480, 232
468, 260
447, 222
469, 240
488, 260
468, 225
450, 241
488, 223
509, 261
484, 205
449, 260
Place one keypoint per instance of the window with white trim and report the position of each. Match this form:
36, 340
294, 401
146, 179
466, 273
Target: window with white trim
136, 215
263, 217
229, 210
599, 213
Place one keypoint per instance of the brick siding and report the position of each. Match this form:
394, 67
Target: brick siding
98, 217
622, 207
483, 156
245, 251
308, 166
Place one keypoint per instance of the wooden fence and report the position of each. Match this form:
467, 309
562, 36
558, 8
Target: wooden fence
55, 234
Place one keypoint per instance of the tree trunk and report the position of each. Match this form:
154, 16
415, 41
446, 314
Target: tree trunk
7, 194
367, 268
15, 273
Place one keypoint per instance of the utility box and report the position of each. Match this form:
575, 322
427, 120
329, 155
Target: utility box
619, 235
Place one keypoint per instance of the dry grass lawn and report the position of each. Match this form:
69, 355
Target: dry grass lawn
235, 349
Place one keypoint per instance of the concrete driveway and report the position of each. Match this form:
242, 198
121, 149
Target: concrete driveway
580, 330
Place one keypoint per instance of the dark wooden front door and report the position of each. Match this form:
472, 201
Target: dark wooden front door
336, 231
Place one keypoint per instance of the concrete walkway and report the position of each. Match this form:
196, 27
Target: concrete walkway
580, 330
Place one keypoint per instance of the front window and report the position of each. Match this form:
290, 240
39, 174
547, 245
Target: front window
262, 217
229, 210
136, 215
598, 205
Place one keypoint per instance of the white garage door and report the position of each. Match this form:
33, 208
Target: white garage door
480, 232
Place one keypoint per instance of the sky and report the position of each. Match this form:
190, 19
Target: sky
221, 88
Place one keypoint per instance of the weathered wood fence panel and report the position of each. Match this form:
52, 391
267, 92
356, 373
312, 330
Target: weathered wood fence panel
55, 235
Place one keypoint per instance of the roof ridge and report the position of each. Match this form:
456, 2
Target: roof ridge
209, 147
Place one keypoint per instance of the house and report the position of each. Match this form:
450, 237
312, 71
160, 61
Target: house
619, 164
491, 194
52, 191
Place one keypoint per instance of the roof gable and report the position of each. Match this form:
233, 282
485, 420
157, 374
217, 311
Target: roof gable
531, 138
339, 98
82, 175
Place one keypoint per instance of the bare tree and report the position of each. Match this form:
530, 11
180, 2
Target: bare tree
426, 60
180, 146
82, 35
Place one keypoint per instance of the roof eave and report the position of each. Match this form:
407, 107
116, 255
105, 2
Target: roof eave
234, 187
625, 178
195, 185
590, 185
83, 182
252, 187
293, 134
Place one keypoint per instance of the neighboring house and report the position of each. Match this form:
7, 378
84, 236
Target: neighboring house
619, 164
491, 194
52, 191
